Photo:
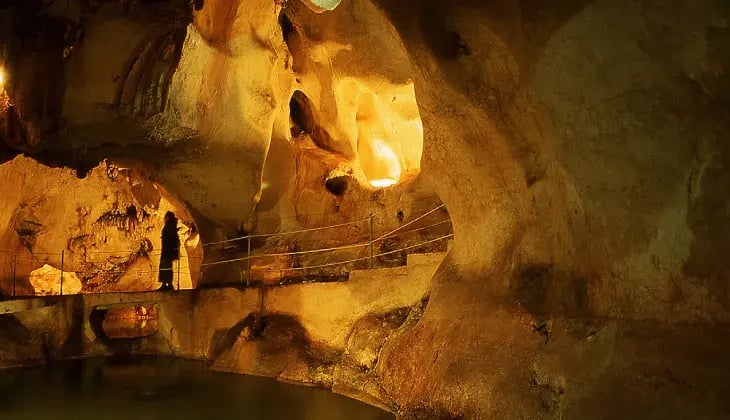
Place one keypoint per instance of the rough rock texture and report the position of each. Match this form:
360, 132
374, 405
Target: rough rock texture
237, 330
47, 281
252, 77
589, 225
306, 198
111, 62
644, 138
107, 226
579, 147
404, 287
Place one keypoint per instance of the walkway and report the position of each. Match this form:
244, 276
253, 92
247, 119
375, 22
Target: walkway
245, 263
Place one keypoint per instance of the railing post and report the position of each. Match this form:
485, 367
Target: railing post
62, 255
248, 260
15, 259
179, 262
371, 241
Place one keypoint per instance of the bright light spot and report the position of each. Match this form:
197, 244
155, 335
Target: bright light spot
2, 77
382, 183
387, 168
264, 185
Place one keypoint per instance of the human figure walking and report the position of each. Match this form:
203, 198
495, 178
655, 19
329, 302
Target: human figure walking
170, 251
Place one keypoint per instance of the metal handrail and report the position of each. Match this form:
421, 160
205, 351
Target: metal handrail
293, 232
263, 235
410, 222
33, 256
451, 235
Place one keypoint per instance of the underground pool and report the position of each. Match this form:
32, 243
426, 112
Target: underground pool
163, 388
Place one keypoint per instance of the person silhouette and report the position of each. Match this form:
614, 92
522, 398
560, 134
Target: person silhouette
170, 251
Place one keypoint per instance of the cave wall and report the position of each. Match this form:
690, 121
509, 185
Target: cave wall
107, 225
232, 82
570, 202
569, 148
360, 102
207, 111
595, 141
580, 148
85, 75
638, 93
248, 68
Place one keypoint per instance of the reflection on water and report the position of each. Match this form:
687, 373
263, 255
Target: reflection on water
163, 388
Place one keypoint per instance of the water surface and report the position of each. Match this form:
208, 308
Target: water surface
163, 388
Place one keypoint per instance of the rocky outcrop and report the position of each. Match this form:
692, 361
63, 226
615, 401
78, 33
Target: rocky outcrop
50, 281
299, 339
251, 83
580, 161
102, 232
559, 189
575, 367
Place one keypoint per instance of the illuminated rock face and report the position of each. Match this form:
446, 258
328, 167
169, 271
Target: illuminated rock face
241, 65
107, 226
582, 165
559, 138
384, 169
326, 191
229, 87
366, 104
221, 89
48, 280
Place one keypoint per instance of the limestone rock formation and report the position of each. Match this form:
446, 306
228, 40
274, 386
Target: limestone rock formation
252, 78
544, 246
48, 280
103, 230
579, 147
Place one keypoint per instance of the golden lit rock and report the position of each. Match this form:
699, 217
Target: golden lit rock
49, 280
580, 149
107, 225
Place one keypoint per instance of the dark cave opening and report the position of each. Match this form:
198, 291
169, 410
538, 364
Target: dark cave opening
287, 28
337, 185
301, 114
